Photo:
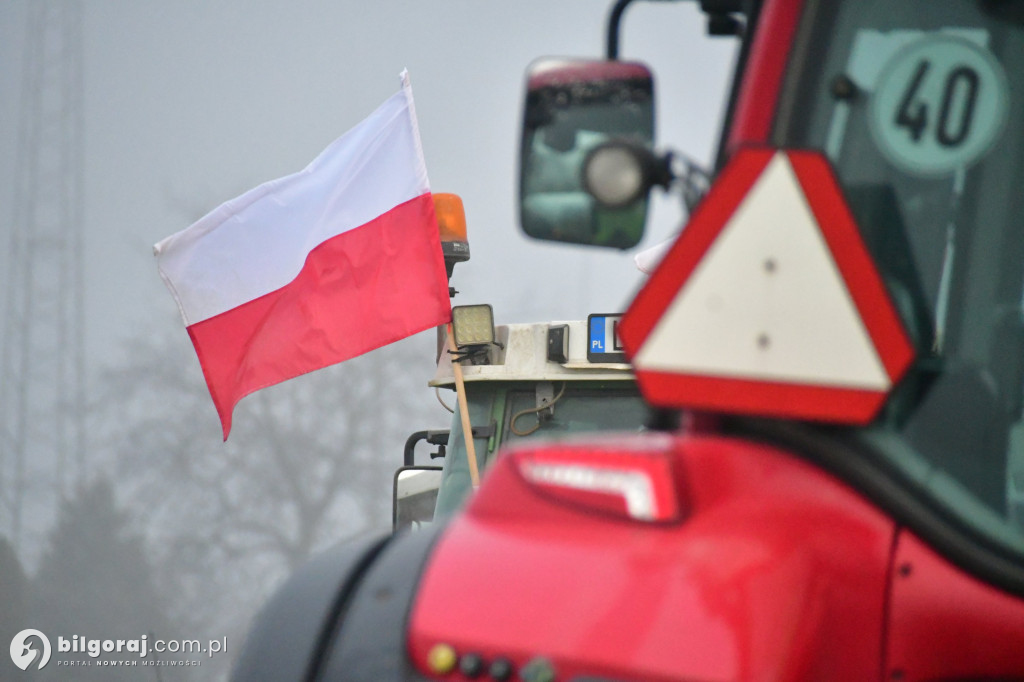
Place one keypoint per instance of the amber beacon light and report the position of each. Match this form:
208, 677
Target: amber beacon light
451, 223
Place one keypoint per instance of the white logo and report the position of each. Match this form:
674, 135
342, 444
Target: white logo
23, 653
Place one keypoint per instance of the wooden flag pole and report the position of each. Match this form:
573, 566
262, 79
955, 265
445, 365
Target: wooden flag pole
467, 428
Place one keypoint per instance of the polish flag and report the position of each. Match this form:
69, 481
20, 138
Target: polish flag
316, 267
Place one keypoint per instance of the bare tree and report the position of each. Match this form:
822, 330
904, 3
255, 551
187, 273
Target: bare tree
309, 462
94, 581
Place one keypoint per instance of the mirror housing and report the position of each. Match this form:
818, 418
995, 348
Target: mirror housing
414, 496
572, 108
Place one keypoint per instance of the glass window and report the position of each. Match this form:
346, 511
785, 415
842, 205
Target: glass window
578, 409
918, 104
456, 482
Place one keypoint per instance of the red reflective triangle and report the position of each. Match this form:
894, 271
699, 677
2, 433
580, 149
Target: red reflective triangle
769, 302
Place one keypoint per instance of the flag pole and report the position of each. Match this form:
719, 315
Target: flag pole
467, 429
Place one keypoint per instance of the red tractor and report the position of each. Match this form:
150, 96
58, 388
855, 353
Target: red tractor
832, 487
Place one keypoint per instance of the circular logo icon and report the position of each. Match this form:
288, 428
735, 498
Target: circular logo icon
23, 653
940, 104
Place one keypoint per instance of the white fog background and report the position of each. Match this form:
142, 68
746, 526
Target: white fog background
186, 104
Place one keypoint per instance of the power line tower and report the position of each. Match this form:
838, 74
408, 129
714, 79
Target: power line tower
42, 395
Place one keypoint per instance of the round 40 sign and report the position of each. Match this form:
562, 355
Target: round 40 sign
939, 106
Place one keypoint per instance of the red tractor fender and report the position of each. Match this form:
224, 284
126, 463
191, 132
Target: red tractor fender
775, 571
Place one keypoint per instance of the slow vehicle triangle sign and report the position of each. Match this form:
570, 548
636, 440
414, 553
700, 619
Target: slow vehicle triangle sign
769, 302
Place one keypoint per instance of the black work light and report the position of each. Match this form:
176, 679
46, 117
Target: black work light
472, 325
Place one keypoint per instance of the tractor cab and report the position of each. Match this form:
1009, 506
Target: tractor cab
529, 380
912, 106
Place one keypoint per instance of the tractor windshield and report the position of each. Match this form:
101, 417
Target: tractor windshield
512, 413
918, 104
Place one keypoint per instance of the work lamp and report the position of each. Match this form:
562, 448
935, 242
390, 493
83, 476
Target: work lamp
619, 172
472, 325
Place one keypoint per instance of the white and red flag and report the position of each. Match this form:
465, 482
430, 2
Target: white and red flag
316, 267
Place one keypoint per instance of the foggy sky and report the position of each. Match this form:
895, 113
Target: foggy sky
190, 103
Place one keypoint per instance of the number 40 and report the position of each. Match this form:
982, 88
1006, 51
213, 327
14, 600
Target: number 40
951, 131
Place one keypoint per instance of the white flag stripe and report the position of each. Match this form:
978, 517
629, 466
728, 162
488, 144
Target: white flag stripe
258, 242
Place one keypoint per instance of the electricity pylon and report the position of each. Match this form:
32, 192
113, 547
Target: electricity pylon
42, 392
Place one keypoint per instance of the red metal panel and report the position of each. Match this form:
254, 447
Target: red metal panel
946, 625
762, 80
779, 573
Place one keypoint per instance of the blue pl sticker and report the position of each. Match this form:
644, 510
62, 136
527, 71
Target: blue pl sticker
603, 344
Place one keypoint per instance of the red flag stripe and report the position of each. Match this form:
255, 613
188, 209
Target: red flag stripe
362, 289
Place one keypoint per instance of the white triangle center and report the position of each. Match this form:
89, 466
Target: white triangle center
767, 302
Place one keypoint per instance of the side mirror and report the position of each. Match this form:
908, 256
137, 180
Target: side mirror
574, 107
414, 496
